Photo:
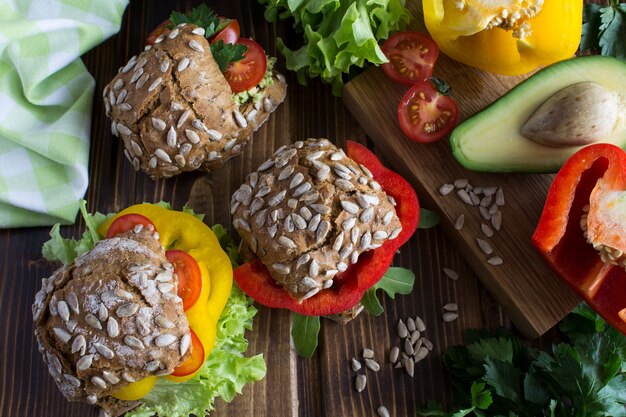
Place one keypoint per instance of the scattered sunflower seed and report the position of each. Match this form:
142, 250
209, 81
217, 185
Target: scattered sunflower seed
382, 411
360, 382
450, 273
393, 354
368, 353
487, 231
458, 224
484, 246
451, 307
495, 260
450, 316
372, 364
356, 365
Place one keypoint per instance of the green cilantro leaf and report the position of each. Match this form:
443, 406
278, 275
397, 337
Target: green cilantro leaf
395, 281
428, 219
604, 29
224, 54
304, 332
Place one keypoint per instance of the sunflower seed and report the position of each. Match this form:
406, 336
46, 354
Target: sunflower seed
93, 321
484, 213
321, 208
175, 106
142, 81
348, 223
296, 180
451, 307
366, 241
162, 155
164, 66
84, 362
409, 366
495, 260
500, 197
408, 347
113, 328
154, 85
489, 191
336, 156
285, 173
267, 105
475, 199
72, 380
192, 136
127, 310
123, 130
322, 171
104, 350
281, 268
64, 311
322, 231
277, 198
79, 344
486, 230
286, 242
153, 162
461, 183
129, 66
493, 209
349, 206
354, 257
110, 377
136, 75
91, 399
152, 366
393, 354
372, 364
183, 118
314, 156
360, 382
165, 340
485, 202
196, 46
99, 382
395, 233
241, 121
382, 411
133, 342
302, 189
421, 353
314, 268
496, 220
465, 197
484, 246
356, 365
299, 221
450, 316
127, 377
310, 293
125, 107
272, 230
402, 329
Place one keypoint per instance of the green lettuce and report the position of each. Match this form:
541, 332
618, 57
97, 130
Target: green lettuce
339, 35
226, 370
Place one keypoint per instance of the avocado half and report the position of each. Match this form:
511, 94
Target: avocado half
491, 139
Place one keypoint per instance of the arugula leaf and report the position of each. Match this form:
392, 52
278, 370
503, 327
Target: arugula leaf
224, 54
201, 16
304, 332
604, 29
428, 219
395, 281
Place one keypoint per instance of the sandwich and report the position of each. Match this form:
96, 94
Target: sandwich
192, 99
320, 227
145, 319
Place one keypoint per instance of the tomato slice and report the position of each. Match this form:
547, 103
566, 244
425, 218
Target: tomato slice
348, 289
426, 115
194, 361
126, 223
189, 276
411, 55
230, 32
248, 72
162, 29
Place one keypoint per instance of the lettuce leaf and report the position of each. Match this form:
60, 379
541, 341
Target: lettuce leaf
223, 375
339, 35
226, 370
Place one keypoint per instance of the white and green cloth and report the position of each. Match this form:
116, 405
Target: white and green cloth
46, 96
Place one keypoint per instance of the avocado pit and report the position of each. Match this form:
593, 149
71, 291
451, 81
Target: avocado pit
579, 114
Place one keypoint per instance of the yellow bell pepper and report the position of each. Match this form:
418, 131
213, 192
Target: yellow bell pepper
509, 37
185, 232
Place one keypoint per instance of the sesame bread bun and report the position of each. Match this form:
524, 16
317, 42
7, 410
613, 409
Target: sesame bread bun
174, 109
110, 318
308, 212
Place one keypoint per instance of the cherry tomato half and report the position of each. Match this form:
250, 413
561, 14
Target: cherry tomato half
189, 276
126, 223
248, 72
230, 32
158, 31
425, 115
194, 361
411, 55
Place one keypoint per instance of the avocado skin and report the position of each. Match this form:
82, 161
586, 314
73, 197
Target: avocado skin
490, 140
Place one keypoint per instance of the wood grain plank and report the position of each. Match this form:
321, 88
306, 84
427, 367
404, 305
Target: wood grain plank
533, 296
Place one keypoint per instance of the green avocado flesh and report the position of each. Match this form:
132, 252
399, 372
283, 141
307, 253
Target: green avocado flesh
491, 140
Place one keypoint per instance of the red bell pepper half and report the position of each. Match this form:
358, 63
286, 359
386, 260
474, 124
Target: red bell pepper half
587, 203
349, 286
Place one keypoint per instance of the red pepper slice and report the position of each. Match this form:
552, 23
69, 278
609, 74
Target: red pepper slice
349, 286
590, 175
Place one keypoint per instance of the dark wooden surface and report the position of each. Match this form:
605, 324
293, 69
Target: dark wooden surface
320, 386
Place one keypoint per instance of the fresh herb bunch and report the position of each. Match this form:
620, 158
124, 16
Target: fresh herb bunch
202, 16
495, 375
339, 35
604, 29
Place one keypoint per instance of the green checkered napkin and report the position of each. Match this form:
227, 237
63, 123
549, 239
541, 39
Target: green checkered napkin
45, 105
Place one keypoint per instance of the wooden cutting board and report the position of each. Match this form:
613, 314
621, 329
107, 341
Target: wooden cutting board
529, 291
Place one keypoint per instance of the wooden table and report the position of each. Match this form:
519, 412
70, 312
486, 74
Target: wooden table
320, 386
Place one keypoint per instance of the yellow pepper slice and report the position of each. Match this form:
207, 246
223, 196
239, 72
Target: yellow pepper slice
185, 232
475, 33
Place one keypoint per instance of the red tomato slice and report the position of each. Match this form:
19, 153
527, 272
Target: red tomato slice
411, 55
254, 279
194, 361
248, 72
230, 33
425, 115
126, 223
158, 31
189, 276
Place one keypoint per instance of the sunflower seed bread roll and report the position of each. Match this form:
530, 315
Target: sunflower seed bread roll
174, 109
110, 318
308, 212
